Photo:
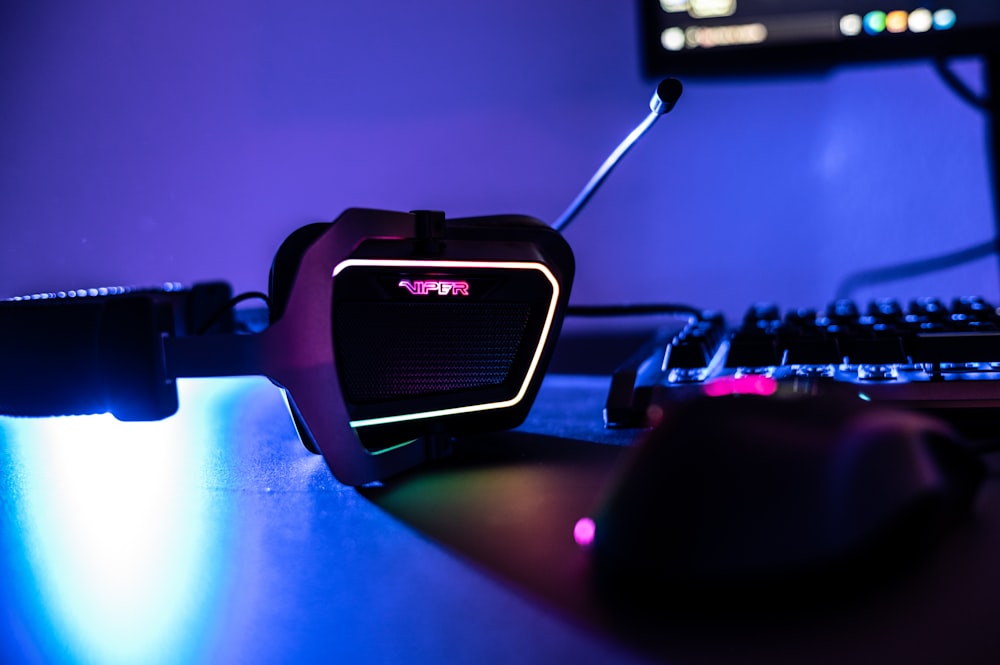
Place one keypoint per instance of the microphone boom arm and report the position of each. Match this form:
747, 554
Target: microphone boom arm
663, 101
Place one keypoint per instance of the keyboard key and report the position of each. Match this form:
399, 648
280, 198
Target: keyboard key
688, 352
926, 353
957, 348
753, 350
885, 310
761, 312
813, 351
877, 351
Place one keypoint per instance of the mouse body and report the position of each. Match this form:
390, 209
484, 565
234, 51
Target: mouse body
751, 493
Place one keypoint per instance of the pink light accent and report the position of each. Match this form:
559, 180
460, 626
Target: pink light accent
583, 532
744, 385
463, 265
423, 287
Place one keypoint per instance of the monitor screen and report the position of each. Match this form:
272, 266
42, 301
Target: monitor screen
735, 37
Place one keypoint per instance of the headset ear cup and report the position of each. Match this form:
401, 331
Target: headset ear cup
286, 264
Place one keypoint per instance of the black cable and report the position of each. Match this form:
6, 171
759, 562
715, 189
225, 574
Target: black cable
991, 62
962, 89
954, 259
985, 104
232, 303
595, 311
910, 269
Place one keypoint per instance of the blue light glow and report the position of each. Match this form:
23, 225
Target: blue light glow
944, 19
120, 557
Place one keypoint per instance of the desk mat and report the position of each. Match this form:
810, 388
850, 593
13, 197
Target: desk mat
508, 503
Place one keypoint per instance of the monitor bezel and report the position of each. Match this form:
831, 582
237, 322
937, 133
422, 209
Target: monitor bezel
804, 58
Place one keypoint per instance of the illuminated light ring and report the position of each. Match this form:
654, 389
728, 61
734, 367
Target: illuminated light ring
509, 265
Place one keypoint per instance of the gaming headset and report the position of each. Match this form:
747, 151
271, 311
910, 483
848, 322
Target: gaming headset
389, 332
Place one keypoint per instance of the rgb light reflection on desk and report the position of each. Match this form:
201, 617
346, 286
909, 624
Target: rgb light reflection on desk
119, 564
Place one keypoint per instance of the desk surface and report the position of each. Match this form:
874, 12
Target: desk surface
214, 536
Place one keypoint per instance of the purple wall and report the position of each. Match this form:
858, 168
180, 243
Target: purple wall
143, 142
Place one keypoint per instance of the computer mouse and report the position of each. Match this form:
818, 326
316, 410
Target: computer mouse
753, 495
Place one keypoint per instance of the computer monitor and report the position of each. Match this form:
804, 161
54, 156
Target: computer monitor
740, 37
724, 39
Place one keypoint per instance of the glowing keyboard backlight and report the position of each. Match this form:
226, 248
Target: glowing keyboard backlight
743, 385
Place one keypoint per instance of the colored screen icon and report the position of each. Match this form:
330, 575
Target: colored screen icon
921, 20
875, 22
944, 19
851, 25
896, 21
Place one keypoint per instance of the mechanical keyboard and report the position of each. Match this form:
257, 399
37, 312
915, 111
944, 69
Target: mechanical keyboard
929, 354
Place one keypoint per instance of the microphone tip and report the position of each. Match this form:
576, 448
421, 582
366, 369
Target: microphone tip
667, 93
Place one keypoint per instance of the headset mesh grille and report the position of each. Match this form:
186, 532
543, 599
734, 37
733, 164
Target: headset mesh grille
388, 351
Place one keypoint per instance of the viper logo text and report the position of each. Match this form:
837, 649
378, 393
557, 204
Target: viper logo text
427, 287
